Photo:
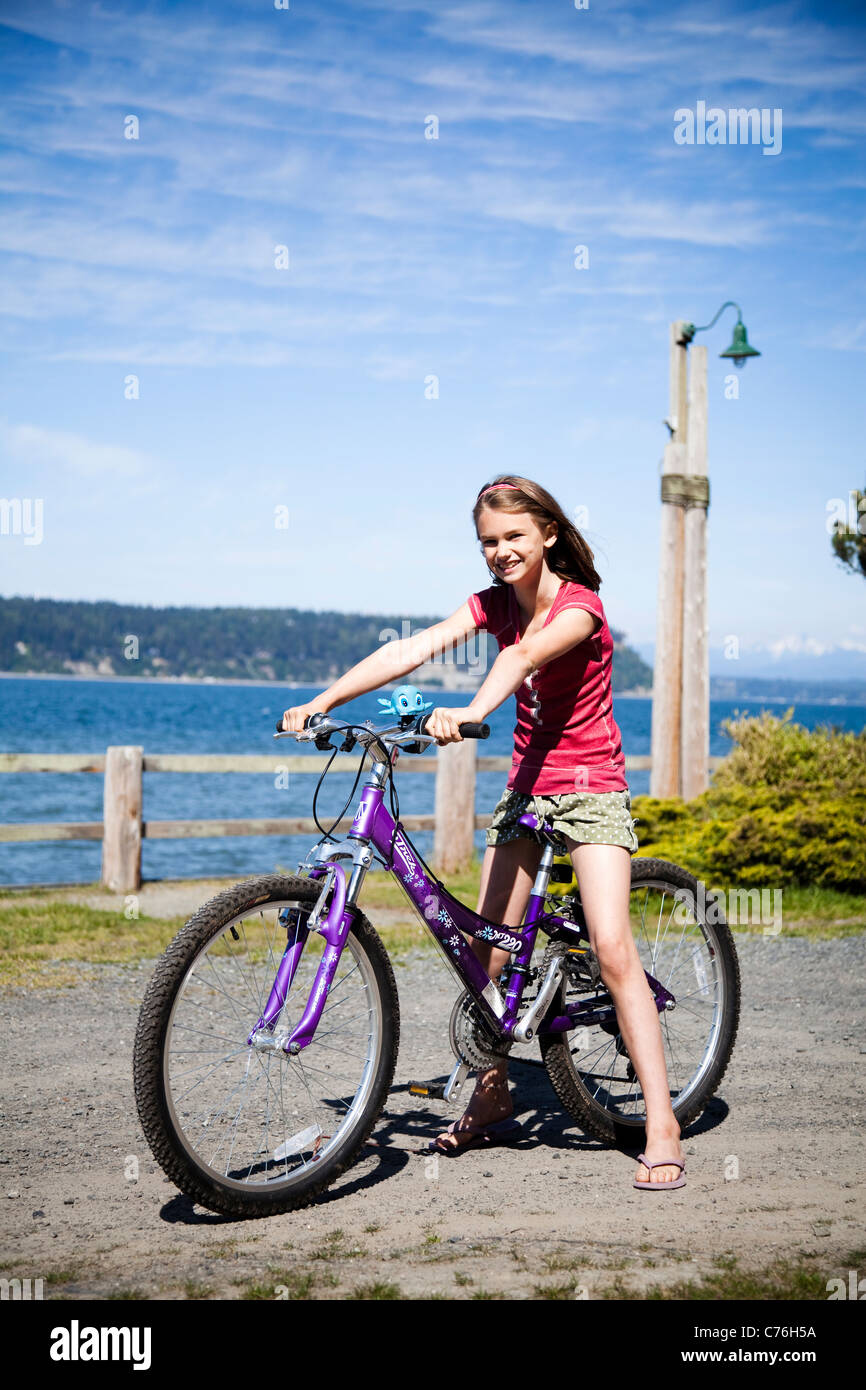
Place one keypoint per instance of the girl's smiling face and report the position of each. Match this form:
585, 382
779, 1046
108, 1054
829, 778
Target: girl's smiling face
513, 544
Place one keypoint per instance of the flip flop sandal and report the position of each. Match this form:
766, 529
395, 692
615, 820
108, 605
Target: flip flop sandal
663, 1163
481, 1136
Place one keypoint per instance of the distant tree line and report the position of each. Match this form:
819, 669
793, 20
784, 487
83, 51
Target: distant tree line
280, 644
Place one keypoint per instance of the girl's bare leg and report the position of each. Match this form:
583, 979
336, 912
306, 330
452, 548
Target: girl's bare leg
604, 877
507, 874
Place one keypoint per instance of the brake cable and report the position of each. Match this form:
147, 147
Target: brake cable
392, 789
326, 834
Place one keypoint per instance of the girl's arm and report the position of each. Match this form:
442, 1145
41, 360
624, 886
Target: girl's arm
510, 669
387, 664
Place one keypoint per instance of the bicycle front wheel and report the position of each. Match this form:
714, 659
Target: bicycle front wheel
684, 942
246, 1132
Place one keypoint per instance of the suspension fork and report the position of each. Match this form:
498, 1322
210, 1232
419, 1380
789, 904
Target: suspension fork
334, 927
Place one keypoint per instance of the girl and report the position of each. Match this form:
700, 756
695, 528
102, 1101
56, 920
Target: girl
555, 656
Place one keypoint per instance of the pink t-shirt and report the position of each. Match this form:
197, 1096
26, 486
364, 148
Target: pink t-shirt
566, 738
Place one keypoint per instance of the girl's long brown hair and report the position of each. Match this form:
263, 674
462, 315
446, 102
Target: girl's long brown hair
569, 556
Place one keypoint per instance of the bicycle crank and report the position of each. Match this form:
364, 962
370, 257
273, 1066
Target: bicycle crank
449, 1090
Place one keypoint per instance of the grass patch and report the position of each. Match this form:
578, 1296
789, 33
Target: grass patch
194, 1291
334, 1248
559, 1260
725, 1261
223, 1250
785, 1279
402, 940
821, 913
34, 937
46, 941
558, 1292
379, 1292
381, 890
259, 1293
619, 1291
284, 1285
61, 1276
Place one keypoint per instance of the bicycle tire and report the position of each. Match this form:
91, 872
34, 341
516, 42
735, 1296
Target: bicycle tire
186, 1134
608, 1103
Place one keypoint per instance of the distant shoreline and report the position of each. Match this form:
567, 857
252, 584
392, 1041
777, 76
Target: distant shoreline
201, 680
144, 680
446, 690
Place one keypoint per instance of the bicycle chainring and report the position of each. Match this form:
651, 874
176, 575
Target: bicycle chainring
471, 1038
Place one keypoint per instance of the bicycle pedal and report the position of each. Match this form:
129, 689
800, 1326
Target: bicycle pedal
432, 1090
584, 961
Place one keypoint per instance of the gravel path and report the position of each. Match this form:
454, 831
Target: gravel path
556, 1211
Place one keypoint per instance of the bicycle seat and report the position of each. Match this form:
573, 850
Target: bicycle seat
544, 828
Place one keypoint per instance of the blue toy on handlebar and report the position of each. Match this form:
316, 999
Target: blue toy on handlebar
407, 699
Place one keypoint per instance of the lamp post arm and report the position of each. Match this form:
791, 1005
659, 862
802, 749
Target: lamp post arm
689, 329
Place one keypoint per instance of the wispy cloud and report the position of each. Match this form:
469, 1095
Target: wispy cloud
411, 256
32, 446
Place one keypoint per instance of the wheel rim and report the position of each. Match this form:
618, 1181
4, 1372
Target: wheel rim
682, 953
265, 1120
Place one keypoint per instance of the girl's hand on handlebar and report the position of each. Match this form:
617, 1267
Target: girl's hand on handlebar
444, 724
293, 719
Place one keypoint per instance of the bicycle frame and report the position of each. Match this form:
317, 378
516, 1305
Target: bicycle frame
444, 916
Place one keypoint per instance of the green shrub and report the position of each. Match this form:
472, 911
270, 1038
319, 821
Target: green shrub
790, 761
787, 807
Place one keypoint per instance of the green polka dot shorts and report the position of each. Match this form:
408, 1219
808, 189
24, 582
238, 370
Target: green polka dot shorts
597, 818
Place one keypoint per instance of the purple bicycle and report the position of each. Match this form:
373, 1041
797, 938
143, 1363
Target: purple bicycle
268, 1035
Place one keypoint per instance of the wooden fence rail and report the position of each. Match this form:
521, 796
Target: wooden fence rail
123, 827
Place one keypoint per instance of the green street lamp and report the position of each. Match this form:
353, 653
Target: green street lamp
740, 350
679, 742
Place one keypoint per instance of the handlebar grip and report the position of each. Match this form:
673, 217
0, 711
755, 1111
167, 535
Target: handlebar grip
473, 730
308, 722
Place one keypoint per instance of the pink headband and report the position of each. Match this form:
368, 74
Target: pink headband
494, 486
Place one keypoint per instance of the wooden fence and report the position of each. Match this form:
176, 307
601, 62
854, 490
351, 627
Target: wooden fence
123, 827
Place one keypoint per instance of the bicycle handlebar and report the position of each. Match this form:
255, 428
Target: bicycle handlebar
471, 729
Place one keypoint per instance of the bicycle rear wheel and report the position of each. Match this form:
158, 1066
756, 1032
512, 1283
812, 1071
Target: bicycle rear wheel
251, 1133
684, 943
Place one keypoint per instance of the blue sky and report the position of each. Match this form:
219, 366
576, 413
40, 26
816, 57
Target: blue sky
306, 387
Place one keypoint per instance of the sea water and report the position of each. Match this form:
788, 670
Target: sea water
82, 716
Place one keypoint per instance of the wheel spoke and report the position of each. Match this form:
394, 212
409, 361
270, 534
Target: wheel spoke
590, 1068
251, 1118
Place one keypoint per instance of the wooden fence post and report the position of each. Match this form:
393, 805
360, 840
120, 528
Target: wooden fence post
121, 842
454, 835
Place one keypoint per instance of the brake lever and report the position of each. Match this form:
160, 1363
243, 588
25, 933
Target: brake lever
416, 745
